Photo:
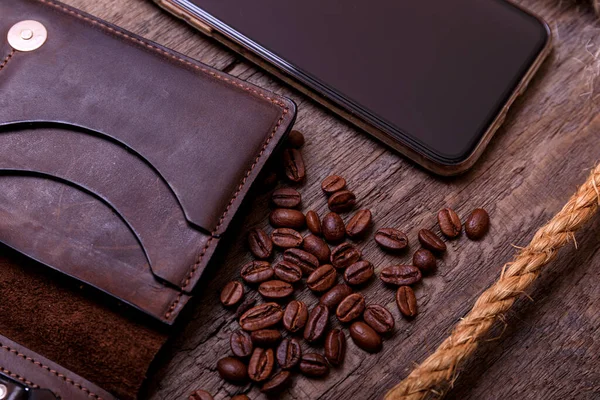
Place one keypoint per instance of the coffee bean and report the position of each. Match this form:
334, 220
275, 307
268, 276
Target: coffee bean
286, 198
365, 337
288, 272
240, 397
232, 293
316, 323
267, 181
289, 353
295, 139
262, 316
322, 279
261, 364
449, 222
287, 218
344, 255
379, 318
407, 302
303, 259
232, 370
335, 347
351, 308
391, 239
333, 228
359, 273
342, 201
400, 275
431, 241
359, 224
293, 164
201, 395
335, 295
247, 304
313, 223
277, 383
314, 365
477, 224
275, 289
265, 337
333, 184
424, 260
295, 316
317, 247
260, 244
256, 272
286, 238
241, 344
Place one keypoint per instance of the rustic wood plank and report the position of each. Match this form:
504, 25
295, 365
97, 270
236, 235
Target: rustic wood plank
550, 140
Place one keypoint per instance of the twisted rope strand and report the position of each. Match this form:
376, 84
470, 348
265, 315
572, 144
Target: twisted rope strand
438, 371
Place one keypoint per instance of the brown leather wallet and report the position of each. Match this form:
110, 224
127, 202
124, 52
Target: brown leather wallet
121, 165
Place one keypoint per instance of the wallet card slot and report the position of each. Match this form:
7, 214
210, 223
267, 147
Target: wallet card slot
122, 179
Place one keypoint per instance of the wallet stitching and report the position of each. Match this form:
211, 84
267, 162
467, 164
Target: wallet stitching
285, 110
53, 372
19, 377
7, 59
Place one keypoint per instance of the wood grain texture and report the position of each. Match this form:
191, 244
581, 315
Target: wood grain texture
549, 348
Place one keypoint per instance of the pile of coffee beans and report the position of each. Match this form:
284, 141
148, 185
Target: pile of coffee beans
267, 350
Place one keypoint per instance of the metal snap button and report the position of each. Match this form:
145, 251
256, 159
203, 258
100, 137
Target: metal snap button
27, 35
3, 392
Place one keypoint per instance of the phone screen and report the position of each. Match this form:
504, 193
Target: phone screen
436, 72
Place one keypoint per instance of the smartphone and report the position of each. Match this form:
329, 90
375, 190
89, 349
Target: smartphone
432, 79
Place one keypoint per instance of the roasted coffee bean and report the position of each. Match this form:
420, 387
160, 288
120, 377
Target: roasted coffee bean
275, 289
407, 302
359, 273
316, 323
351, 308
232, 293
335, 295
261, 364
295, 139
286, 198
260, 244
424, 260
391, 239
240, 397
322, 279
345, 255
313, 223
262, 316
288, 272
294, 165
365, 337
477, 224
267, 181
287, 218
342, 201
286, 238
277, 383
256, 272
335, 347
295, 316
400, 275
265, 337
232, 370
317, 247
314, 365
333, 228
289, 353
431, 241
449, 222
247, 304
333, 184
241, 344
201, 395
379, 318
303, 259
359, 224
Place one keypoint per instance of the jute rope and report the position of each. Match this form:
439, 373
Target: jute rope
435, 375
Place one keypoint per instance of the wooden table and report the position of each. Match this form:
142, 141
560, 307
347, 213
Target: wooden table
550, 347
